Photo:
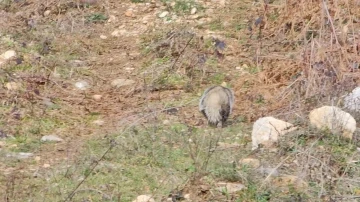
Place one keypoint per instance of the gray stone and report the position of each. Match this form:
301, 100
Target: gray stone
51, 138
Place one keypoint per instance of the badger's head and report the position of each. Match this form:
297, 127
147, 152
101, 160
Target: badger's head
216, 104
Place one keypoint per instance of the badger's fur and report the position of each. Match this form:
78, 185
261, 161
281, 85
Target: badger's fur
216, 104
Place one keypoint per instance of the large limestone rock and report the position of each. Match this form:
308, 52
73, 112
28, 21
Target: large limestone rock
352, 100
144, 198
334, 119
267, 130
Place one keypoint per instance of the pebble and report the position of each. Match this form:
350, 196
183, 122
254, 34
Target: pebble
193, 11
51, 138
144, 198
46, 165
122, 82
82, 85
12, 86
230, 187
97, 97
129, 13
47, 12
163, 14
20, 155
103, 37
8, 54
99, 122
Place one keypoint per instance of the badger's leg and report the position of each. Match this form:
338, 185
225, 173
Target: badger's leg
224, 113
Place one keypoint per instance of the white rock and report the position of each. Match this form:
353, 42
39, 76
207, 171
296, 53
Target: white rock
166, 122
119, 32
163, 14
122, 82
112, 18
51, 138
193, 11
230, 187
187, 196
103, 37
46, 165
97, 97
8, 54
99, 122
47, 12
334, 119
268, 171
352, 100
12, 86
20, 155
82, 85
144, 198
77, 63
267, 130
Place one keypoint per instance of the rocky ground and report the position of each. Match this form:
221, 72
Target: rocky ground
80, 79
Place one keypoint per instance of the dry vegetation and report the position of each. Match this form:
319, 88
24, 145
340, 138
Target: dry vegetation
282, 58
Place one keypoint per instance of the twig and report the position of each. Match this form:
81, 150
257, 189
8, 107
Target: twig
331, 22
71, 195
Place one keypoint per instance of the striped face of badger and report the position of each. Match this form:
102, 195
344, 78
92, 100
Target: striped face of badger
216, 104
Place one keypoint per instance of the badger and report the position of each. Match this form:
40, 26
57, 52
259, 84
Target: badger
216, 104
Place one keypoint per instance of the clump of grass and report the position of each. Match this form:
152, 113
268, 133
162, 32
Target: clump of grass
96, 18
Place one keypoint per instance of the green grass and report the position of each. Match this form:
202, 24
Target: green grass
147, 160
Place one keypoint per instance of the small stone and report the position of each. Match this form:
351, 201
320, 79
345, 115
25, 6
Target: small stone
2, 143
12, 86
163, 14
268, 171
8, 54
224, 145
97, 97
51, 138
254, 163
77, 63
187, 196
37, 158
230, 187
103, 37
47, 12
129, 13
46, 165
115, 33
122, 82
166, 122
238, 68
144, 198
82, 85
119, 32
20, 155
99, 122
112, 18
193, 11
